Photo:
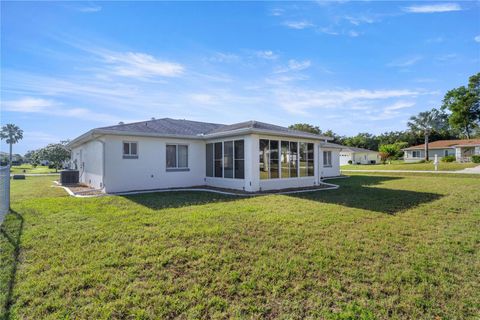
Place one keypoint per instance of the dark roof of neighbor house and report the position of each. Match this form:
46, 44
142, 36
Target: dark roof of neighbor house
193, 129
447, 144
355, 149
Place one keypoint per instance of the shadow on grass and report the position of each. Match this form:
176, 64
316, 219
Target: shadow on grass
10, 234
363, 192
177, 199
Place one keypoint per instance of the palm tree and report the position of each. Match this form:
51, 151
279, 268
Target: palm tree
426, 122
12, 134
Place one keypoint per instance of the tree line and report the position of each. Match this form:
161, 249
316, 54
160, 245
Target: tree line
458, 117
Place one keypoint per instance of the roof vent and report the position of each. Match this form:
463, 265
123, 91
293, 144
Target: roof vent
121, 122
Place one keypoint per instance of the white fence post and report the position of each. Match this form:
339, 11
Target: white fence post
4, 192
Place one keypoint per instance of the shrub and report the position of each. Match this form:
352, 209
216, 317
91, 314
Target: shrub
350, 161
449, 158
476, 159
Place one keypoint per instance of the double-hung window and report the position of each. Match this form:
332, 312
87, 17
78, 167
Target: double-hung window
177, 157
327, 158
130, 150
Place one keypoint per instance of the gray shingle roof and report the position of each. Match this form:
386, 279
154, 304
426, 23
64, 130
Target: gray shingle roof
180, 127
167, 126
192, 129
355, 149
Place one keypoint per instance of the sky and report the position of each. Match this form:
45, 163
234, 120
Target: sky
348, 66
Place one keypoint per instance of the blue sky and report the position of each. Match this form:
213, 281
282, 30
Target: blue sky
348, 66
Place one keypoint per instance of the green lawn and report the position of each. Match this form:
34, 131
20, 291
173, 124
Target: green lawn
28, 168
396, 246
443, 166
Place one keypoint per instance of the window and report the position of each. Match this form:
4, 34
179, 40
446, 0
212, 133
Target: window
130, 150
239, 157
445, 153
218, 160
209, 160
177, 156
327, 158
293, 159
274, 174
285, 159
310, 162
415, 154
264, 157
280, 159
228, 159
225, 159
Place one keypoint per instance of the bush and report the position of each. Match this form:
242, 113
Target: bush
350, 161
449, 158
476, 159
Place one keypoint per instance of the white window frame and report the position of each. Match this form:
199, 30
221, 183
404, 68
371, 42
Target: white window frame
129, 155
177, 168
329, 159
414, 152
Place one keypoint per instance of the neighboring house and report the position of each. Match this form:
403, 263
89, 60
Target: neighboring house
461, 149
169, 153
358, 156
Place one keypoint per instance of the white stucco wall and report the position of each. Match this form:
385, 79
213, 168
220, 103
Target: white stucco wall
358, 157
89, 160
334, 170
149, 170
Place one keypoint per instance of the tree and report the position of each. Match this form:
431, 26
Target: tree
362, 140
464, 105
425, 123
55, 153
305, 127
391, 151
11, 134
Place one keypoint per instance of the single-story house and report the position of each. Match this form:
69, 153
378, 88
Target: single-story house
171, 153
358, 156
463, 150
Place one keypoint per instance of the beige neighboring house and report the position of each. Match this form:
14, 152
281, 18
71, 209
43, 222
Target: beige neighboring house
463, 150
358, 156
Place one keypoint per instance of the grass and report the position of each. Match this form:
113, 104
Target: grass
28, 168
442, 166
396, 246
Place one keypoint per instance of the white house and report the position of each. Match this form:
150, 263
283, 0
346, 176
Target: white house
358, 156
463, 150
170, 153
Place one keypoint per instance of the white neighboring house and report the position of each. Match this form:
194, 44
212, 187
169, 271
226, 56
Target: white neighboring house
358, 156
463, 150
170, 153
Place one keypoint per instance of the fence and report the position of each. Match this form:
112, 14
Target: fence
4, 192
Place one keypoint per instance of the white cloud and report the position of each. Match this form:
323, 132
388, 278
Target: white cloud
277, 12
141, 65
53, 108
353, 33
224, 57
90, 9
405, 62
359, 20
436, 40
392, 111
298, 24
447, 57
299, 101
267, 54
294, 65
477, 38
433, 8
